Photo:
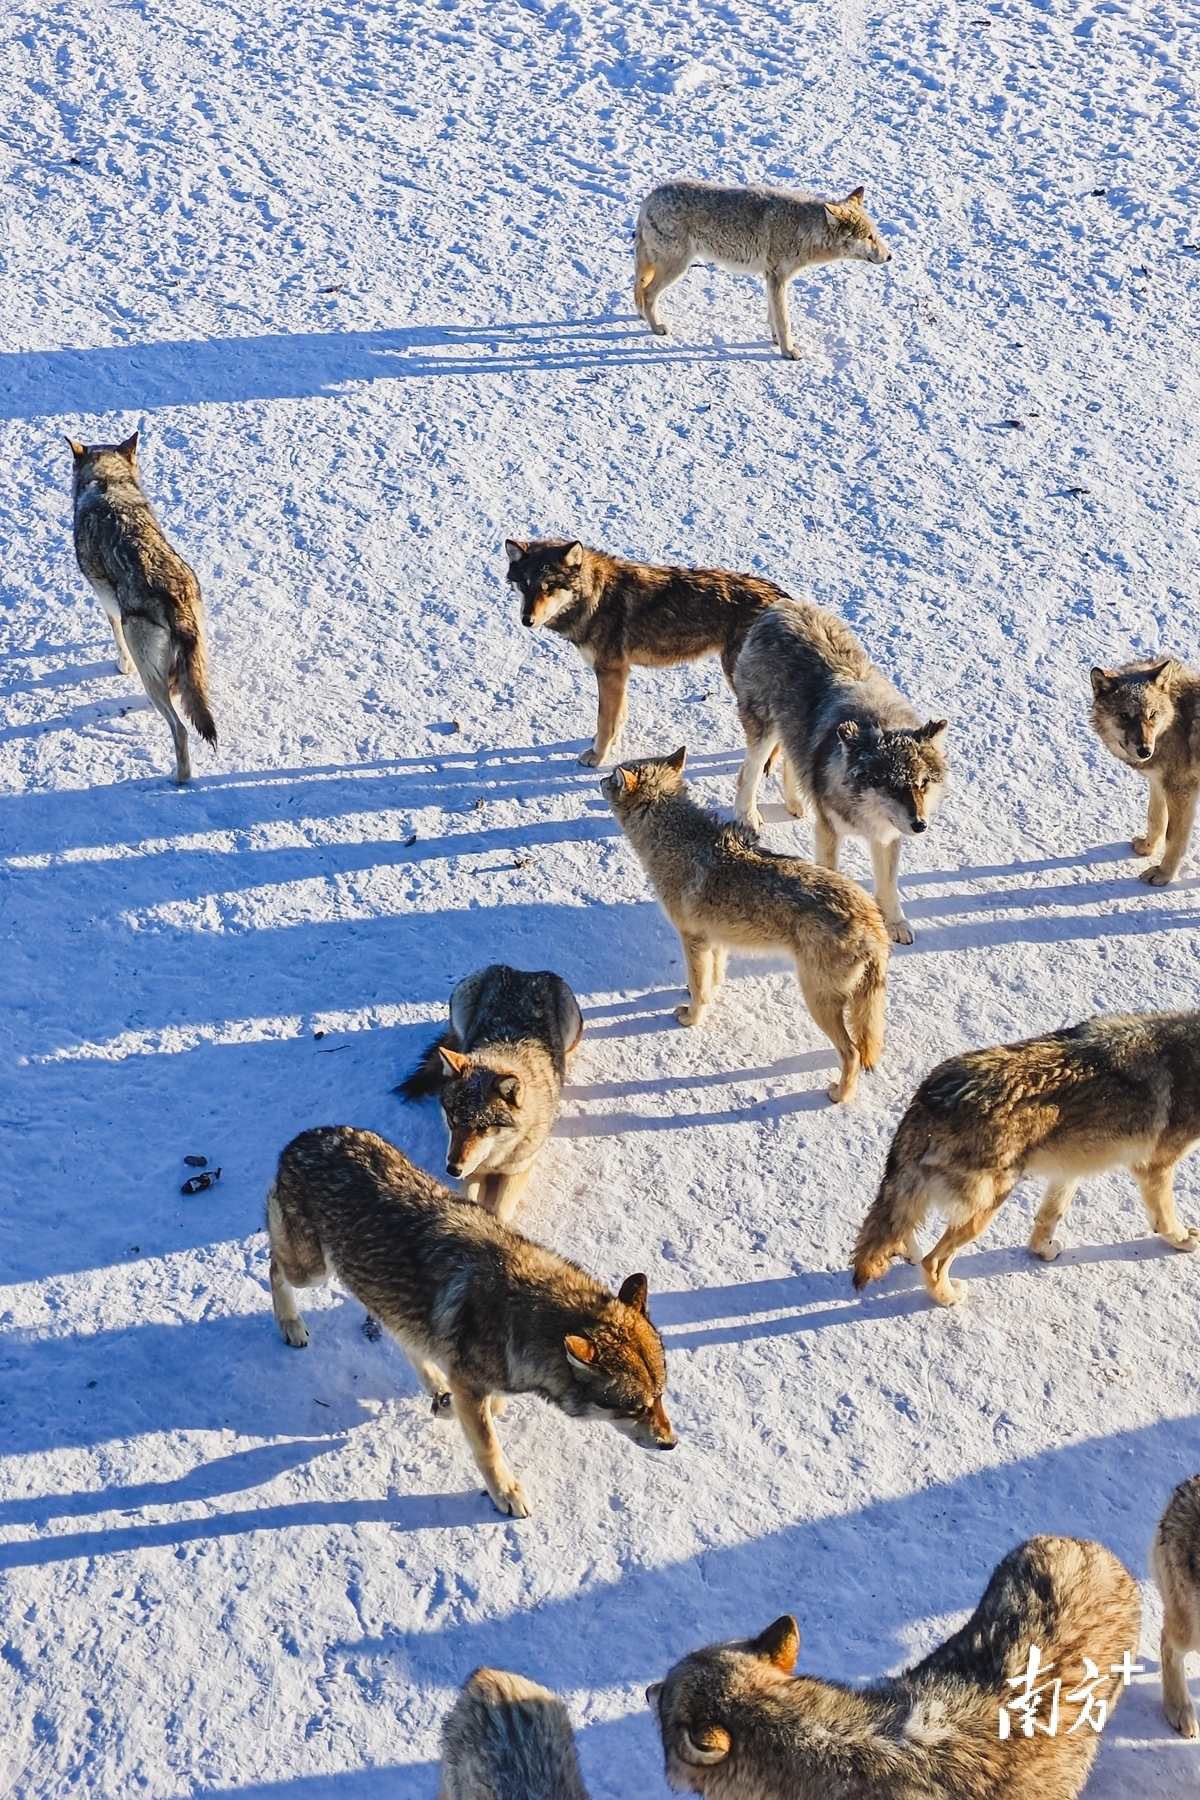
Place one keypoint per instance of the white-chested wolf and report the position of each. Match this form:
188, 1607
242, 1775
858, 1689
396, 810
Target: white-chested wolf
736, 1724
1175, 1565
751, 230
1148, 715
478, 1310
150, 595
854, 749
506, 1738
498, 1073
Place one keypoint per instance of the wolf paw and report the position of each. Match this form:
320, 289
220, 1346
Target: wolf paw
690, 1015
659, 329
839, 1093
294, 1332
949, 1292
755, 821
1189, 1241
127, 668
900, 931
1144, 846
498, 1402
512, 1499
1157, 876
590, 760
790, 352
1182, 1719
1049, 1250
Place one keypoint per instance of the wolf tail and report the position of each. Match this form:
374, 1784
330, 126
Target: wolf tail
429, 1076
191, 666
900, 1205
868, 1007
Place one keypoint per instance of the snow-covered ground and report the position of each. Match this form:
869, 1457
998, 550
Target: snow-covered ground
361, 275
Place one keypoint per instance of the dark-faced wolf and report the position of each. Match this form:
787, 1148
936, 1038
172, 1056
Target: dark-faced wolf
721, 890
1057, 1628
621, 615
508, 1739
151, 596
1121, 1092
498, 1072
854, 749
1175, 1565
751, 230
478, 1310
1148, 715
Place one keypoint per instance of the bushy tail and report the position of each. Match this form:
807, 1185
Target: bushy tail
900, 1205
191, 668
429, 1076
868, 1007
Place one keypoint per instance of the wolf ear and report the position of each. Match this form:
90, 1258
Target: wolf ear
77, 450
456, 1063
627, 777
935, 729
634, 1292
515, 549
580, 1354
705, 1745
128, 449
1102, 680
833, 216
509, 1088
779, 1644
573, 555
856, 195
677, 761
847, 731
1158, 675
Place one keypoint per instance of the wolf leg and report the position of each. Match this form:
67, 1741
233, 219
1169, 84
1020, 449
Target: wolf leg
1177, 1702
825, 843
669, 266
1158, 1196
777, 314
283, 1304
793, 796
699, 954
611, 715
720, 962
829, 1011
508, 1191
885, 862
985, 1199
1042, 1240
912, 1250
124, 660
150, 647
758, 754
1181, 811
475, 1416
427, 1373
1156, 822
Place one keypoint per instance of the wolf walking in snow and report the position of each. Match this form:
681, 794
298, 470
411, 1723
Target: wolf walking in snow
1175, 1565
621, 615
721, 890
151, 596
463, 1294
1148, 715
751, 230
853, 747
498, 1073
736, 1724
1115, 1092
508, 1739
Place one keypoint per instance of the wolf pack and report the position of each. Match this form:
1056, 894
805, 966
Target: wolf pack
482, 1312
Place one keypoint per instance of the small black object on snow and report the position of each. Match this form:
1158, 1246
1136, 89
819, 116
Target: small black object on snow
372, 1330
196, 1184
196, 1162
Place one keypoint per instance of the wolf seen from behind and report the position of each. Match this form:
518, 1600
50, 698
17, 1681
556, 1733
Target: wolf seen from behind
506, 1738
498, 1073
478, 1310
1175, 1565
736, 1724
151, 596
854, 749
625, 614
1148, 715
722, 890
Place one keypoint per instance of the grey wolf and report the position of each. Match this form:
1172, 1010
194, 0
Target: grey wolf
508, 1739
624, 614
498, 1072
463, 1294
1115, 1092
721, 890
1148, 715
853, 747
1175, 1565
751, 230
736, 1723
150, 595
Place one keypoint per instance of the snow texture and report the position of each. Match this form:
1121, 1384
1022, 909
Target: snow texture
361, 275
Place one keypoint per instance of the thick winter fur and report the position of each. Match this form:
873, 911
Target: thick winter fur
623, 614
1175, 1565
854, 749
498, 1072
1148, 715
1118, 1092
737, 1725
151, 597
752, 230
721, 890
508, 1739
463, 1294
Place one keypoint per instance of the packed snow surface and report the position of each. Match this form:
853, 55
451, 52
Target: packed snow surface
361, 275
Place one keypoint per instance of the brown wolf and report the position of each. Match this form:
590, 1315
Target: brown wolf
500, 1315
737, 1725
508, 1739
752, 230
1175, 1565
623, 614
1116, 1092
151, 596
722, 890
498, 1072
1148, 715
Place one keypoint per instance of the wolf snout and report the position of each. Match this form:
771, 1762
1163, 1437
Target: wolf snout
1144, 752
455, 1169
920, 825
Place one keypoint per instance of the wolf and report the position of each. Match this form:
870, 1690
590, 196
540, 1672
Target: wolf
751, 230
737, 1725
498, 1072
854, 749
1175, 1565
625, 614
151, 596
462, 1293
1121, 1091
508, 1739
1148, 715
722, 890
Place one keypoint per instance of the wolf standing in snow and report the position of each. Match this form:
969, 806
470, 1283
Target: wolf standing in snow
853, 747
498, 1073
151, 596
1175, 1565
751, 230
621, 615
508, 1739
461, 1293
1116, 1092
1148, 715
736, 1723
722, 891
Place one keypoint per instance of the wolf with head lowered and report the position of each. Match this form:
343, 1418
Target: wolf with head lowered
625, 614
479, 1311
